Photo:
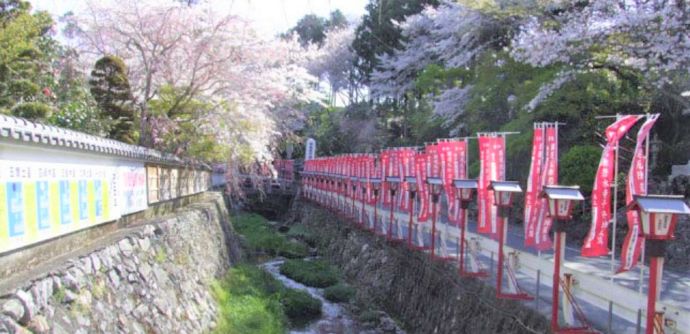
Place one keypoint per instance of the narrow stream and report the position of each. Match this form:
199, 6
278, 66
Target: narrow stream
334, 318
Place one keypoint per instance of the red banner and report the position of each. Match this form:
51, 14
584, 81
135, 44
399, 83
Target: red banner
406, 169
433, 166
434, 161
597, 239
385, 165
549, 177
636, 185
492, 168
422, 187
453, 166
534, 186
369, 174
394, 171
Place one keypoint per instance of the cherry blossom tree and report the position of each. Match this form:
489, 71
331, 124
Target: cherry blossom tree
250, 87
450, 34
651, 37
253, 85
334, 62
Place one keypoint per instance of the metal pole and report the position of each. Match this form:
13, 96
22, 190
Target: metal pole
389, 235
409, 224
610, 325
615, 210
499, 272
461, 257
638, 325
646, 190
433, 227
376, 206
558, 261
538, 288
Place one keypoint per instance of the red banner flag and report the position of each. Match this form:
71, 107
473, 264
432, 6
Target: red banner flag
534, 185
422, 186
385, 162
492, 168
596, 242
549, 177
433, 165
636, 185
406, 170
453, 166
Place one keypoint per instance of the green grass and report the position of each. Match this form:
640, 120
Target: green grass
301, 232
262, 237
317, 273
339, 293
251, 301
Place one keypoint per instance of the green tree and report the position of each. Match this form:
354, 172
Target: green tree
24, 60
312, 29
336, 20
180, 130
378, 34
110, 88
579, 166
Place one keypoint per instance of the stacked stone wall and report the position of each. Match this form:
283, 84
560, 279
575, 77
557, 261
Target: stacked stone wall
153, 278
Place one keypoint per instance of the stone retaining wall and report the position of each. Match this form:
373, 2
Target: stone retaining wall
154, 279
426, 296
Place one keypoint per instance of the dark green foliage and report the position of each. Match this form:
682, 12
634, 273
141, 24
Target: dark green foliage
579, 166
369, 316
299, 306
262, 237
316, 273
339, 293
312, 29
25, 60
377, 34
336, 20
110, 88
32, 110
340, 130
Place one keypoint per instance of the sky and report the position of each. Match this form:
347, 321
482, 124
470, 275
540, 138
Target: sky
270, 17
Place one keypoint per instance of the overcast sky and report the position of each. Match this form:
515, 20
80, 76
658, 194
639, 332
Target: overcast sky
270, 16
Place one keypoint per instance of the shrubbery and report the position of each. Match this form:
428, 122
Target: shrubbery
315, 273
299, 306
261, 236
579, 166
339, 293
32, 110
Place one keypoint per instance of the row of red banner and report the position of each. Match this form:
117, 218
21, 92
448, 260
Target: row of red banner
448, 160
445, 159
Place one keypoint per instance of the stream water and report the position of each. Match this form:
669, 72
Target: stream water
334, 317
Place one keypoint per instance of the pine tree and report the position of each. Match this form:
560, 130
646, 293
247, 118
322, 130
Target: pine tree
110, 88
